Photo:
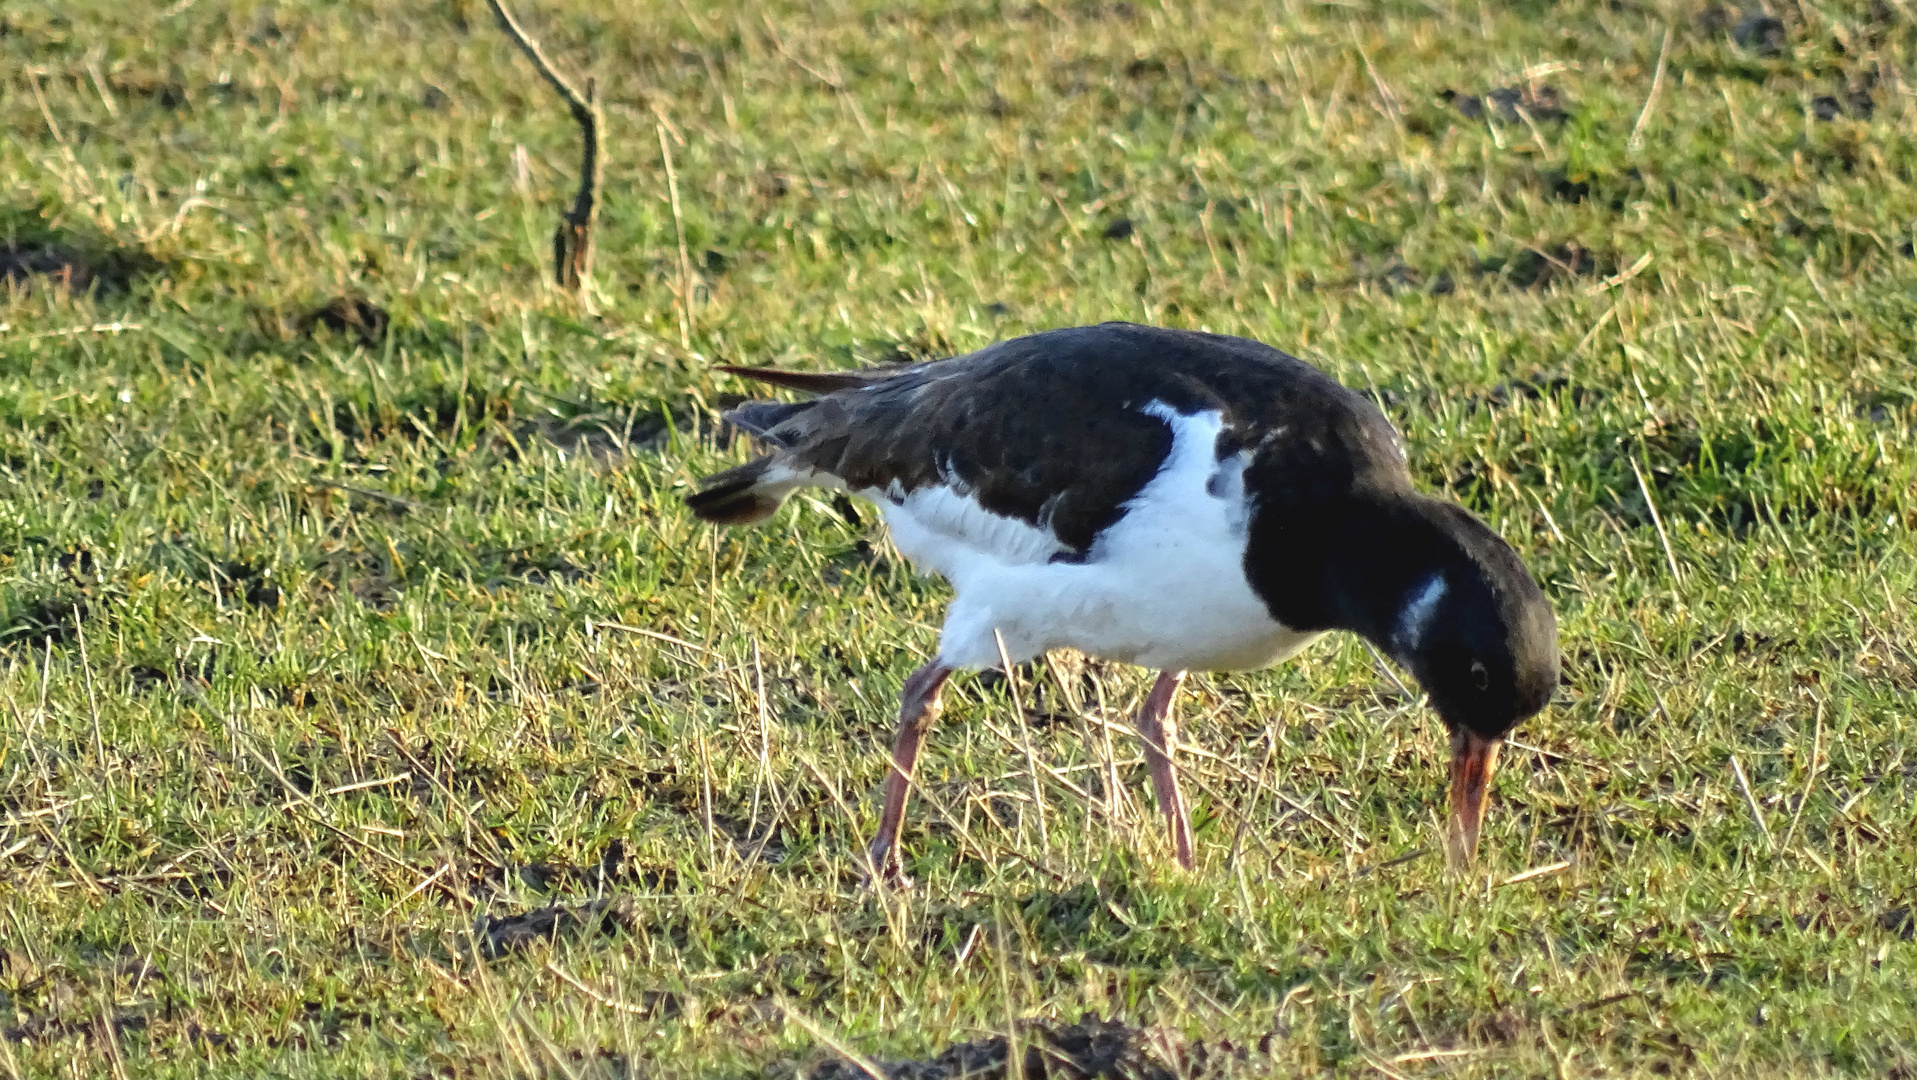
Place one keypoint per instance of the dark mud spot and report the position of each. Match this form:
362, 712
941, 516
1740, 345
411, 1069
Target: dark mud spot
772, 185
498, 937
1759, 32
74, 263
1564, 187
53, 617
1031, 675
1856, 101
613, 869
1082, 1051
192, 675
449, 412
1714, 19
535, 567
1826, 108
1541, 266
1859, 102
45, 1028
853, 562
849, 513
1146, 67
1470, 105
1388, 272
1537, 387
167, 90
1541, 102
352, 314
323, 1025
1900, 920
247, 582
606, 430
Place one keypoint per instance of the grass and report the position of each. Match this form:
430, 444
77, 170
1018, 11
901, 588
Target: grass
328, 643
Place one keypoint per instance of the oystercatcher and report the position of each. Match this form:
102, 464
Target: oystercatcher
1179, 500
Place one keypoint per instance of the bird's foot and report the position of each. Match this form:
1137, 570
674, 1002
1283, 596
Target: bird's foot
883, 872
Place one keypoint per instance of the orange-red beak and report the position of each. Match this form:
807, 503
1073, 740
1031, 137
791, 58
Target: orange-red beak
1474, 760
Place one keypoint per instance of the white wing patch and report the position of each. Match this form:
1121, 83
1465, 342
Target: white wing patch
1164, 586
1417, 610
943, 528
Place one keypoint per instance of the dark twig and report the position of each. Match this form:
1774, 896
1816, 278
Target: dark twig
572, 241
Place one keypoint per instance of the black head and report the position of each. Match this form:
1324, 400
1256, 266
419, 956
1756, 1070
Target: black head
1475, 629
1428, 584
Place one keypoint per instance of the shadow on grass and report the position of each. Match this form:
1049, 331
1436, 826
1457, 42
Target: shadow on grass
1093, 1047
76, 258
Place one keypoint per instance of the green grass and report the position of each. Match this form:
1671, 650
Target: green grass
313, 643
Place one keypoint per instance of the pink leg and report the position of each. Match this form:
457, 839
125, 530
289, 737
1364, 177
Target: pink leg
918, 707
1161, 741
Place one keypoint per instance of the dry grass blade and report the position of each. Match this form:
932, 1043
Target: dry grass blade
1750, 802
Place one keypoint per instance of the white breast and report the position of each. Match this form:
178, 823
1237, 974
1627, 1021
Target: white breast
1163, 587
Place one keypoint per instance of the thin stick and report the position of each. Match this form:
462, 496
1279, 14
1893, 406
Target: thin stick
609, 1002
99, 83
765, 739
416, 890
1657, 82
53, 126
74, 331
1536, 872
864, 1064
654, 634
1014, 1054
1077, 707
364, 784
369, 493
1385, 666
1750, 800
1810, 779
678, 223
1025, 738
1058, 776
1593, 332
572, 242
93, 707
1385, 96
705, 799
1108, 756
1663, 537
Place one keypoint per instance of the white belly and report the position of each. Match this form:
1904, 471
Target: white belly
1164, 587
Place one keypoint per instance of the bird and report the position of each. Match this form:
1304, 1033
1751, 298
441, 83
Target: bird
1180, 500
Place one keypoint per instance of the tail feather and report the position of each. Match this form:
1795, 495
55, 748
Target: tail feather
743, 495
753, 491
761, 417
812, 382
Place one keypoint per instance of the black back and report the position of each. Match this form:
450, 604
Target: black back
1048, 429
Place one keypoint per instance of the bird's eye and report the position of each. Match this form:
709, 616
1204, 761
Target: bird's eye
1480, 675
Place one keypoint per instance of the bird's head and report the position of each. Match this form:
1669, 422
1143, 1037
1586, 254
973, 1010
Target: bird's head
1477, 633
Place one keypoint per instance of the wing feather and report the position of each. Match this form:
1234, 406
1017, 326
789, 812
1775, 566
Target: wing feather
1051, 429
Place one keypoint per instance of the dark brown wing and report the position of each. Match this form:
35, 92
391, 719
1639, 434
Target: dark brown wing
1049, 429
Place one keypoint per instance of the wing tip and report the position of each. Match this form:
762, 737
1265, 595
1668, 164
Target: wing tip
736, 496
